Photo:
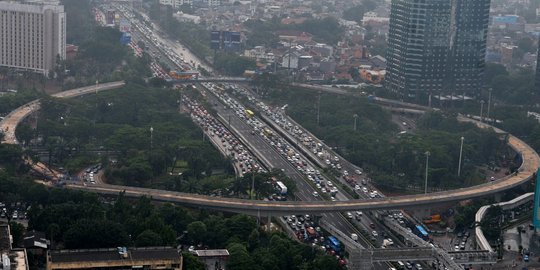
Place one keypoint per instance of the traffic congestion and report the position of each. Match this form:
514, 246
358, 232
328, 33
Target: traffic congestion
308, 155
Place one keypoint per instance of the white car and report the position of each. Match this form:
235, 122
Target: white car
315, 194
374, 233
358, 172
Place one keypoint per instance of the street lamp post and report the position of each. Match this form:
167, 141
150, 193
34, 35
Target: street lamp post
151, 137
481, 110
460, 155
355, 118
427, 166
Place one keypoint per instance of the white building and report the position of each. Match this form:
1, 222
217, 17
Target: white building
176, 3
32, 36
184, 17
259, 53
214, 3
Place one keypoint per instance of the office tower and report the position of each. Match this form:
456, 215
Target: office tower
437, 46
537, 77
32, 35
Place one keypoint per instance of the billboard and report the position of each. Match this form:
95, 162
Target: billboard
225, 40
536, 213
215, 40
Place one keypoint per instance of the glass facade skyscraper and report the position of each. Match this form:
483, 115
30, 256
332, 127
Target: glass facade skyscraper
437, 46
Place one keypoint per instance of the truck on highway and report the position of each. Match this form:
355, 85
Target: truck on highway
281, 188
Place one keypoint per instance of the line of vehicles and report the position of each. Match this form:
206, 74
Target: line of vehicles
18, 210
358, 180
299, 162
308, 231
288, 152
239, 154
181, 69
90, 173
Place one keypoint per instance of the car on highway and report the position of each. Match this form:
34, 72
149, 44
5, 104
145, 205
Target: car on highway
315, 194
374, 233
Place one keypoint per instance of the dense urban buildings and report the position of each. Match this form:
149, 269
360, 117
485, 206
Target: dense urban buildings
32, 35
437, 46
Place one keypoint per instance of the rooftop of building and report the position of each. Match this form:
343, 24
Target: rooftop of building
212, 253
31, 7
112, 254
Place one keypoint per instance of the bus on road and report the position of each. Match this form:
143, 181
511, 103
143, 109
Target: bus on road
421, 232
334, 243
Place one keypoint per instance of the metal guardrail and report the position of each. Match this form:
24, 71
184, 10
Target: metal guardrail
473, 257
361, 258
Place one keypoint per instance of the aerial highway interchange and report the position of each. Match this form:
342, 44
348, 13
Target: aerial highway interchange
332, 211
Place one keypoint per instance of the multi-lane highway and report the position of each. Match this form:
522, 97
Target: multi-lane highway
273, 159
531, 162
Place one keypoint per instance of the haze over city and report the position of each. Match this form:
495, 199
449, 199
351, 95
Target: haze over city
265, 135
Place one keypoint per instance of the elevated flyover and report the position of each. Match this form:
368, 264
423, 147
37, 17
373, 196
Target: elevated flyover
526, 171
12, 120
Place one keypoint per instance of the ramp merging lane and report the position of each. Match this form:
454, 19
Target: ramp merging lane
527, 170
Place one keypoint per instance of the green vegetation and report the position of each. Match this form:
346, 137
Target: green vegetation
11, 101
117, 123
72, 219
394, 161
263, 184
100, 57
512, 88
356, 13
232, 64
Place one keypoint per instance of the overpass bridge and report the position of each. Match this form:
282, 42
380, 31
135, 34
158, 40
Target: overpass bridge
363, 259
12, 120
388, 103
526, 172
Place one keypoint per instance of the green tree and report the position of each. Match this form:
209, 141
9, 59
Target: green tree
148, 238
192, 262
239, 258
197, 231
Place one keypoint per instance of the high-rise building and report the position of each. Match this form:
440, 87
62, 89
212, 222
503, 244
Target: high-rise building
437, 46
32, 35
537, 77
